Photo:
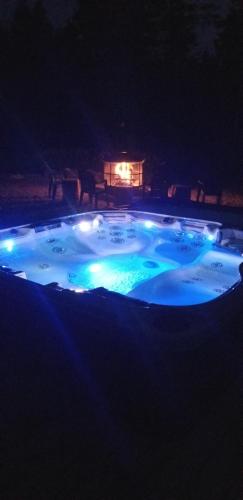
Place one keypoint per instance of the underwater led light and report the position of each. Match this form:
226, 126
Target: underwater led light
211, 233
94, 268
190, 236
78, 290
84, 226
211, 237
9, 244
148, 224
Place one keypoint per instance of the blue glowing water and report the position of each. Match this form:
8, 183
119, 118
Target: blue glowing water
153, 263
117, 273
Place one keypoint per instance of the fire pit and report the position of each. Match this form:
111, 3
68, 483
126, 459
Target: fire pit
123, 175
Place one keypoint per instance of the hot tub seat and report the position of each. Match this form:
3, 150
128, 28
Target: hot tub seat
151, 257
200, 282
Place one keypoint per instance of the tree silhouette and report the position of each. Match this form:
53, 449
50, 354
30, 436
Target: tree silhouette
230, 57
131, 73
41, 30
170, 30
229, 43
21, 31
208, 26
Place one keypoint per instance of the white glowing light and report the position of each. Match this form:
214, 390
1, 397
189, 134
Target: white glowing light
9, 244
84, 226
96, 223
148, 224
94, 268
211, 237
190, 236
78, 290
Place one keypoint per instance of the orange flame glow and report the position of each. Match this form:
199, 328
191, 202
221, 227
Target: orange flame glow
124, 170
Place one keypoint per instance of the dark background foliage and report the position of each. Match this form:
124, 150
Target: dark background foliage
125, 75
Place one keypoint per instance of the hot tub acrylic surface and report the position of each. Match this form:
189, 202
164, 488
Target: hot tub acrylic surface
151, 257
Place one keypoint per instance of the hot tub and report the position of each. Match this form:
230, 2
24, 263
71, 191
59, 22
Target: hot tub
151, 257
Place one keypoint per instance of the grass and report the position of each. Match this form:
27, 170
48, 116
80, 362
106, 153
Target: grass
35, 188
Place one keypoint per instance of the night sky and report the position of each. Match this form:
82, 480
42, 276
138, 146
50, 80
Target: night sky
60, 10
170, 97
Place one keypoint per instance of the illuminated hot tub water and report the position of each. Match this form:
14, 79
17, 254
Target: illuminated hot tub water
151, 257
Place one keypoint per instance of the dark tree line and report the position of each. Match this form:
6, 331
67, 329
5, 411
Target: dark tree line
130, 75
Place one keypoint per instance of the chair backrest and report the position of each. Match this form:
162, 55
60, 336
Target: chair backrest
159, 186
210, 187
87, 182
182, 193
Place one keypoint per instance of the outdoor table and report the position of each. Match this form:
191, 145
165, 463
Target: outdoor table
181, 191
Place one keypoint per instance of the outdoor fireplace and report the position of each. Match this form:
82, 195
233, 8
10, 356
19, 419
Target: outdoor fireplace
123, 171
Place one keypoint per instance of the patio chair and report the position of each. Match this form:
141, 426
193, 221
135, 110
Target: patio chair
208, 188
54, 182
159, 187
181, 193
89, 186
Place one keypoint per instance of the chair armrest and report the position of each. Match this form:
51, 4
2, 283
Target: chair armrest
102, 185
104, 182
